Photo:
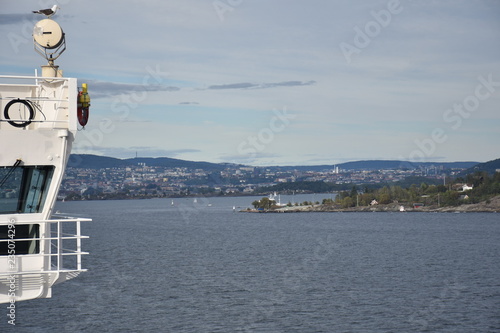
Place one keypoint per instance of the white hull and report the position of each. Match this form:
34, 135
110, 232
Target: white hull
36, 151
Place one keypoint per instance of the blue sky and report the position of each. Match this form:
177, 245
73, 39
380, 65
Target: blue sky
277, 82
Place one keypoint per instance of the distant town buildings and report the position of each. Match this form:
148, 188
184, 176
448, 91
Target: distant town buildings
143, 180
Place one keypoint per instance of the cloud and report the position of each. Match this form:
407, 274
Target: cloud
258, 158
189, 103
247, 85
100, 89
233, 86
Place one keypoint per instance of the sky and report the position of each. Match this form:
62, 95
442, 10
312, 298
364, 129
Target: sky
276, 82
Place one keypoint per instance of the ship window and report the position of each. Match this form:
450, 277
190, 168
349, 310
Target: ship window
21, 231
24, 189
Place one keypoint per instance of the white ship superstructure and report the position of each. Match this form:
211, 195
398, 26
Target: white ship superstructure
39, 118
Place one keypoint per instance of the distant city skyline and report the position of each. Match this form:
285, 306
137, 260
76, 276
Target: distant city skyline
277, 82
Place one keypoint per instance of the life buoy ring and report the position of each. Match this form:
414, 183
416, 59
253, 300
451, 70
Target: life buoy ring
83, 106
16, 123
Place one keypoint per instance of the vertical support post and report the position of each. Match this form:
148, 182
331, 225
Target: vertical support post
59, 245
78, 246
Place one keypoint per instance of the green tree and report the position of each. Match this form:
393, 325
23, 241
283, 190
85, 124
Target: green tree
327, 201
341, 196
450, 198
384, 195
263, 203
354, 192
432, 189
413, 193
347, 202
442, 188
365, 199
384, 198
398, 193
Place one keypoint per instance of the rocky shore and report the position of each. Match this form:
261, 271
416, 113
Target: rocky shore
490, 206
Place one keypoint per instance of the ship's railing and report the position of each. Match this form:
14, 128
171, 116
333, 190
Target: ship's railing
33, 102
34, 79
62, 258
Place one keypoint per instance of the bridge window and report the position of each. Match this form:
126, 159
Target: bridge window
24, 189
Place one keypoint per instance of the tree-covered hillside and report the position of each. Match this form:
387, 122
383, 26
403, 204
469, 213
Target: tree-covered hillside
484, 186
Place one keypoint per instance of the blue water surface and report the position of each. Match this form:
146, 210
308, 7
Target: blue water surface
204, 267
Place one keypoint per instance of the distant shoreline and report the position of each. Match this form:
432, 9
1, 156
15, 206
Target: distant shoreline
490, 206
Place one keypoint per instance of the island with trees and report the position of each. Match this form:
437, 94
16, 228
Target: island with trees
475, 192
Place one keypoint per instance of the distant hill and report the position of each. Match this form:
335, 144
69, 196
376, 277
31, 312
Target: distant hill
97, 162
383, 165
87, 161
490, 167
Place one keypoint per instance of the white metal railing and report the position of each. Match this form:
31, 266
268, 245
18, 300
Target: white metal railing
45, 102
21, 77
57, 242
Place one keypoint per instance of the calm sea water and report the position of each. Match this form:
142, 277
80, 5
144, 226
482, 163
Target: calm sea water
200, 267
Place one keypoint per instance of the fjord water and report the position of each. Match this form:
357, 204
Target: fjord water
201, 267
